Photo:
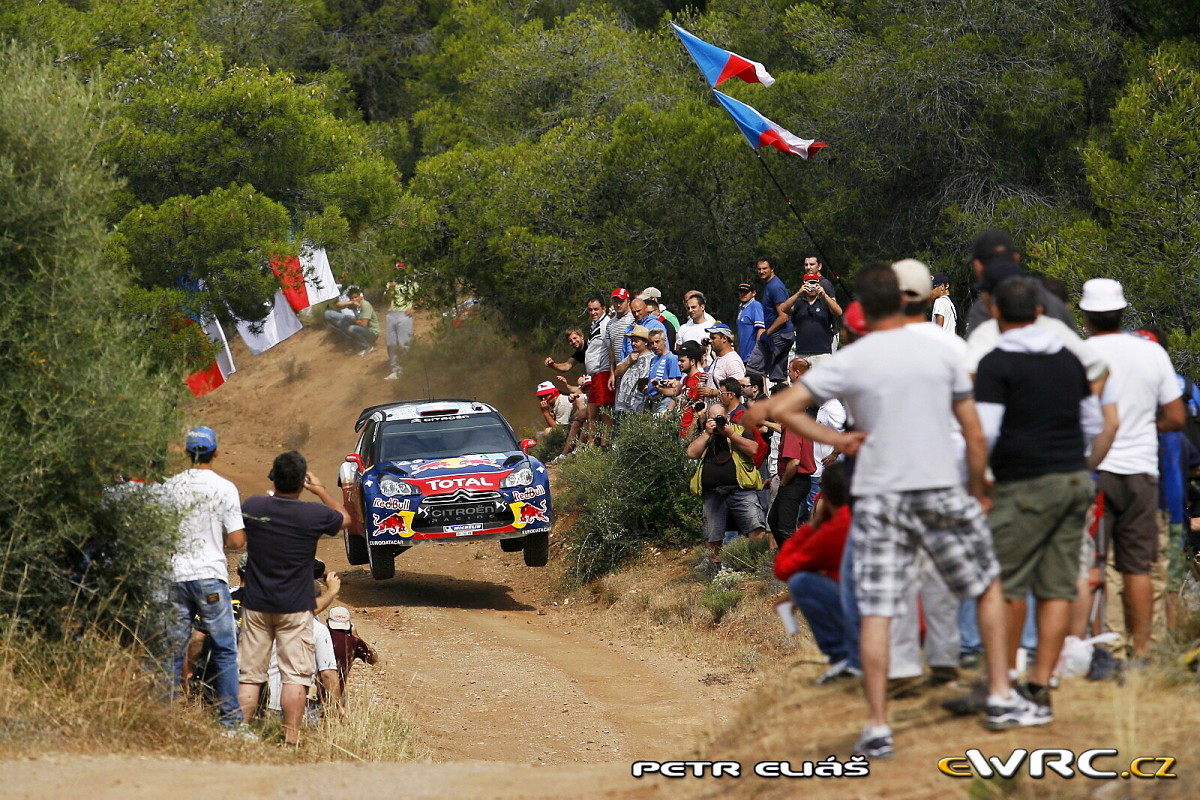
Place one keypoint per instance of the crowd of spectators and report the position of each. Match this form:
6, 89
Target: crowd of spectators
927, 494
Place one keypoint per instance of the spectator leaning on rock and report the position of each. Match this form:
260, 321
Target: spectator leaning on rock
361, 327
347, 646
278, 598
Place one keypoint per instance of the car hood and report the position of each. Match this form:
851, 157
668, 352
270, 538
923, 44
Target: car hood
456, 465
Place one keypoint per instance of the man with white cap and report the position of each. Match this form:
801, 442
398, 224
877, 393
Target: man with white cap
726, 361
1149, 402
210, 521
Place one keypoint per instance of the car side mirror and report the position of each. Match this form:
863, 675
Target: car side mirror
527, 445
355, 459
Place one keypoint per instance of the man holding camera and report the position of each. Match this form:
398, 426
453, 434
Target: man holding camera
814, 313
278, 598
726, 361
687, 387
727, 480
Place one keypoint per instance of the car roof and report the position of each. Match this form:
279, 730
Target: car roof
430, 407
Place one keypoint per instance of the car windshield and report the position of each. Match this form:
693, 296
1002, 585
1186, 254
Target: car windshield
442, 437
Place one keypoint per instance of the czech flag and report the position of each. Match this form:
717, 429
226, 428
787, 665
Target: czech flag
306, 280
760, 131
204, 381
720, 65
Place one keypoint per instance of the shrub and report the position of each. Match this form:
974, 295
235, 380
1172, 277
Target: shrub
744, 555
80, 404
719, 602
632, 493
550, 446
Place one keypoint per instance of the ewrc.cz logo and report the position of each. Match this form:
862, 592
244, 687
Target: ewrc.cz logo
974, 763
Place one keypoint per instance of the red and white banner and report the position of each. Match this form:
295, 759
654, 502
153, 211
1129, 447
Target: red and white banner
204, 381
306, 280
281, 323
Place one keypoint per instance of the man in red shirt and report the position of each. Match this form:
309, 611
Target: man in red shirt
687, 391
809, 562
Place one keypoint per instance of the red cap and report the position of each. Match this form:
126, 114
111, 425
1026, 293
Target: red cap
854, 318
811, 276
621, 294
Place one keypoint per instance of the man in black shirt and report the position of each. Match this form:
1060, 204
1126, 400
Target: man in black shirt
995, 258
814, 313
1036, 407
278, 599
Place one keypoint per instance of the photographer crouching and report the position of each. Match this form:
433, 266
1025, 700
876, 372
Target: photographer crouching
727, 480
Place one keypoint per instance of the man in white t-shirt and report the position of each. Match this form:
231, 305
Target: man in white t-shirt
698, 320
210, 521
897, 384
945, 315
1149, 402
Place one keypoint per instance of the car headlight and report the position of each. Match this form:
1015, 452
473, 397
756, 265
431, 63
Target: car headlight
520, 477
391, 487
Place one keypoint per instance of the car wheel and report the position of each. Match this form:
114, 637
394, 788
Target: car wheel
512, 545
537, 549
356, 548
383, 561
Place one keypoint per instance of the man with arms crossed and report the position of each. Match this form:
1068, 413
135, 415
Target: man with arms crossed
897, 383
278, 598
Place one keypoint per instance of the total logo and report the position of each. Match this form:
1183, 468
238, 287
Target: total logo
398, 524
446, 484
525, 513
458, 462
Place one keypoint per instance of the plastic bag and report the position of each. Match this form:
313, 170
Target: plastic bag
1076, 657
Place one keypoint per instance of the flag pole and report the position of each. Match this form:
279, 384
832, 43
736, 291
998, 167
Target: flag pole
824, 259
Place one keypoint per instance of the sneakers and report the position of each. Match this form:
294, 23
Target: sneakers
1041, 701
973, 702
1015, 711
939, 676
841, 669
875, 743
242, 732
395, 375
368, 349
900, 688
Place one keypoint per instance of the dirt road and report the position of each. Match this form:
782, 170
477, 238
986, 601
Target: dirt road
484, 655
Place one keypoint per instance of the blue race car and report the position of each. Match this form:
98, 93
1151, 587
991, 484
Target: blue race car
441, 470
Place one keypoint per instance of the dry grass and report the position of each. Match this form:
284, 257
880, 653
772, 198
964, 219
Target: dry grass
91, 696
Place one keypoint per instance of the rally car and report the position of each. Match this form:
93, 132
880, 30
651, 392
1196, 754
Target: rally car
441, 470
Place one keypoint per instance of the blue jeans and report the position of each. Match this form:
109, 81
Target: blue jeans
851, 620
208, 601
968, 626
819, 599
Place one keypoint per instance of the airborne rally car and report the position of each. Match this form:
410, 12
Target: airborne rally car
441, 470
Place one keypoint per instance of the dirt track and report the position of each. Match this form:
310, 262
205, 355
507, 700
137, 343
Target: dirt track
473, 647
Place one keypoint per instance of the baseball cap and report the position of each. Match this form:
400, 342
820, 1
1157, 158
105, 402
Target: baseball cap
811, 276
992, 245
855, 319
720, 328
201, 440
640, 332
913, 278
545, 387
339, 618
745, 287
941, 279
621, 294
691, 349
650, 291
1102, 294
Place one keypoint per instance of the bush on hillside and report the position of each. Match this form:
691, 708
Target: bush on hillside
80, 405
633, 493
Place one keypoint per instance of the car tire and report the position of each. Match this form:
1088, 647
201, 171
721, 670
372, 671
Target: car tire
382, 558
512, 545
537, 549
356, 549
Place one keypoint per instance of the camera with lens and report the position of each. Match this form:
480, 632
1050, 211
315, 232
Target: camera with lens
721, 420
699, 406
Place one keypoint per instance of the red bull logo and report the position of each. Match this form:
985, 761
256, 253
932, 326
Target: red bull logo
458, 462
398, 524
528, 513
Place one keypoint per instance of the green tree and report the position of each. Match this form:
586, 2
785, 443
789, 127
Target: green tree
81, 406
